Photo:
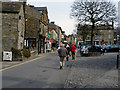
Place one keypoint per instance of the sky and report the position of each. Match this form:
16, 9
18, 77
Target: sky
59, 12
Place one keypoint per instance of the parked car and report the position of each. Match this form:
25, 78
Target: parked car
84, 50
111, 48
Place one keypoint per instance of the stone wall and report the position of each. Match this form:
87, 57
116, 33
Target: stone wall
32, 24
106, 34
9, 31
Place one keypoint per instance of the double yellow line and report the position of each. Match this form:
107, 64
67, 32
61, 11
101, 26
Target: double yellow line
19, 64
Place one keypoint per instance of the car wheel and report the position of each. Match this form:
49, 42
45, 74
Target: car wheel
105, 51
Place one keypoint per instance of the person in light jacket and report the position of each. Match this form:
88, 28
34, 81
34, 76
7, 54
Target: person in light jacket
62, 52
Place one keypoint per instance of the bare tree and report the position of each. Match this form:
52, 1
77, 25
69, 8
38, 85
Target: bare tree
94, 14
82, 32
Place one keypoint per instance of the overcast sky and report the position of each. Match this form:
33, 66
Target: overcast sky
59, 12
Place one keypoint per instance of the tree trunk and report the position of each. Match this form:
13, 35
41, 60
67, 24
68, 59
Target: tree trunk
92, 35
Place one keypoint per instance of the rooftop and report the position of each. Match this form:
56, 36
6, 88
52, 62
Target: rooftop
11, 7
40, 8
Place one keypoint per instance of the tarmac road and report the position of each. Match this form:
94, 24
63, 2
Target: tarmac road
44, 72
41, 73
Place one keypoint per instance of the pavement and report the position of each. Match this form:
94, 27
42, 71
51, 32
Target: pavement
98, 74
6, 64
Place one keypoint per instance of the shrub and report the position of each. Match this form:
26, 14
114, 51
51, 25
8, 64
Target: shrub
94, 54
26, 47
26, 53
16, 53
92, 49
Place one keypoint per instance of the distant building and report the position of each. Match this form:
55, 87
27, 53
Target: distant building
104, 35
52, 27
13, 25
71, 39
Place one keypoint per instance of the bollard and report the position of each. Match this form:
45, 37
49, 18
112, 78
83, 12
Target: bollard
117, 61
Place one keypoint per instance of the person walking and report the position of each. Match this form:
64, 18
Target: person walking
73, 48
68, 52
62, 52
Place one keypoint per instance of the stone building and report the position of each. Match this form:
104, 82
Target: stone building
68, 39
32, 28
13, 25
56, 42
59, 36
44, 28
36, 27
104, 35
72, 39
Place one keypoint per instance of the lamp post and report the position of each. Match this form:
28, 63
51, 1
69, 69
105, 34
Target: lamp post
118, 38
25, 41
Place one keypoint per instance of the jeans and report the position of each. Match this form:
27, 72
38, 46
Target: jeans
73, 54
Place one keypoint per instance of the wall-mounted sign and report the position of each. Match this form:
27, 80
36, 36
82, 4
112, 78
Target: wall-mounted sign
7, 55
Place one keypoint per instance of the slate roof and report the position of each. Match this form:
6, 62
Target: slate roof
40, 8
11, 7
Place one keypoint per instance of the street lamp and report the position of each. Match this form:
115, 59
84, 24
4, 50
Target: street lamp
118, 38
25, 41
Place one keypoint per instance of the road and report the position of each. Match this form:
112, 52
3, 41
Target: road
41, 73
45, 73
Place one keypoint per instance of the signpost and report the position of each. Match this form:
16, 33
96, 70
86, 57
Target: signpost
118, 60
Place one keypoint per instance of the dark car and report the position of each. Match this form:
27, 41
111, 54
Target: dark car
86, 49
111, 48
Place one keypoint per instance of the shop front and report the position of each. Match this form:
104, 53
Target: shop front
30, 42
41, 44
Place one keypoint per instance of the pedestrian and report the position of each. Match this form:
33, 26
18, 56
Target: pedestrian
68, 52
58, 48
62, 52
73, 48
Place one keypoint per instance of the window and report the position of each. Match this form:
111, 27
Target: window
19, 17
21, 45
40, 11
102, 36
88, 37
110, 30
110, 36
101, 30
96, 37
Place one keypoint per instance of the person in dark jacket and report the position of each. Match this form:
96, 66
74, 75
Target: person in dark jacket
68, 52
62, 52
